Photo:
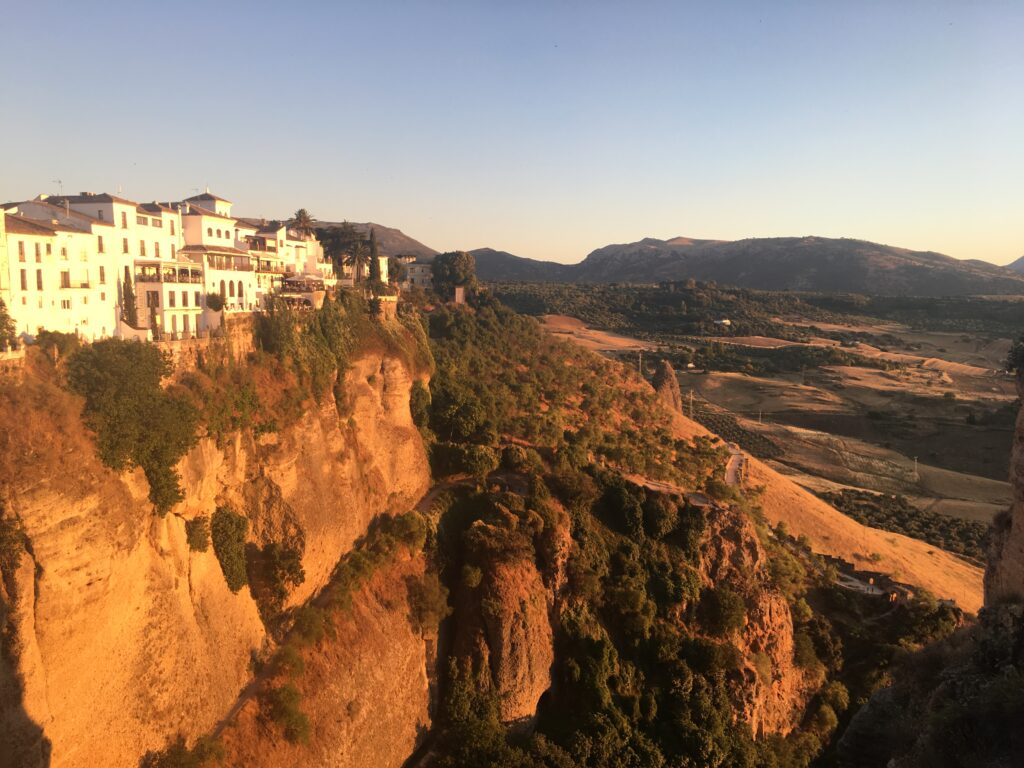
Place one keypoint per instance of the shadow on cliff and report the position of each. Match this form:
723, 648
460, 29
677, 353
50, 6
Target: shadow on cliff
22, 743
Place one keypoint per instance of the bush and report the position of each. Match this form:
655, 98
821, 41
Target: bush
803, 651
137, 423
197, 531
215, 302
283, 708
311, 625
419, 404
55, 344
721, 610
228, 532
428, 601
207, 751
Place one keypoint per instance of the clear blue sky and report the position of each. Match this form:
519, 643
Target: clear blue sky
543, 128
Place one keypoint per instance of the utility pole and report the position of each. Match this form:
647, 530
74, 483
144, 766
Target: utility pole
640, 362
60, 186
691, 405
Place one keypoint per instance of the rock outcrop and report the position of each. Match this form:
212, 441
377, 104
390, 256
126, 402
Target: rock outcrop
122, 635
732, 556
667, 386
366, 691
1004, 577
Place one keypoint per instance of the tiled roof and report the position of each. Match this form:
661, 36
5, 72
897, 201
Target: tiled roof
89, 197
195, 210
207, 196
19, 225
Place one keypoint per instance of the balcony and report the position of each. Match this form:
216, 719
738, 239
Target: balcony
168, 276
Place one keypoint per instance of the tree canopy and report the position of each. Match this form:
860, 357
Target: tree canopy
453, 269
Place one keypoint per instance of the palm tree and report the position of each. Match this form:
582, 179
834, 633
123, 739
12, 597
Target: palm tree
358, 258
302, 222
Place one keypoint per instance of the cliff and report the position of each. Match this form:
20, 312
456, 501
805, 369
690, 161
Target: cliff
366, 691
120, 636
1004, 578
771, 700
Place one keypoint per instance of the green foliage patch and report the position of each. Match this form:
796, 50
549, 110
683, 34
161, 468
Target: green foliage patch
136, 421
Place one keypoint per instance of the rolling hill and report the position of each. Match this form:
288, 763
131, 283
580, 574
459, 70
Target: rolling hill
781, 263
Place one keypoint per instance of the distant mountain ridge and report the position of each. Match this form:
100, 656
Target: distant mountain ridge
778, 263
390, 241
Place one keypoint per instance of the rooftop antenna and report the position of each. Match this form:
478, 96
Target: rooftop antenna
60, 186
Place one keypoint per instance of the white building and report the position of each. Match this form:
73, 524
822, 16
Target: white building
67, 260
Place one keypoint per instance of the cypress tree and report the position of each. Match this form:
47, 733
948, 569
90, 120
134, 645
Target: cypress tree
374, 258
129, 310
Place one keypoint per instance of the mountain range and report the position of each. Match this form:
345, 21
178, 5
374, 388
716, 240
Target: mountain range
779, 263
390, 241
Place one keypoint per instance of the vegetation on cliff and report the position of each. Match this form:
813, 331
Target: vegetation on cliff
137, 422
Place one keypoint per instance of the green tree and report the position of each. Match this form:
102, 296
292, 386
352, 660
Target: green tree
358, 258
338, 242
228, 530
453, 269
8, 337
129, 309
374, 258
137, 422
302, 222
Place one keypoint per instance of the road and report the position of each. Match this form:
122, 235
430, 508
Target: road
734, 467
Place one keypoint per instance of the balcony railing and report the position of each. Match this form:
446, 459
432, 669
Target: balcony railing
145, 277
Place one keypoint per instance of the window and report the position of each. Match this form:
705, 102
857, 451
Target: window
141, 220
198, 300
170, 298
157, 223
103, 296
124, 221
124, 245
24, 280
39, 279
239, 289
172, 226
65, 303
64, 252
39, 253
99, 245
218, 233
184, 298
209, 231
103, 275
152, 299
21, 250
65, 279
184, 324
49, 249
231, 288
142, 247
99, 215
156, 250
172, 250
223, 293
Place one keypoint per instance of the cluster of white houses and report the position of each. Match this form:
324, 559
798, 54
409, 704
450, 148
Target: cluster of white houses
66, 263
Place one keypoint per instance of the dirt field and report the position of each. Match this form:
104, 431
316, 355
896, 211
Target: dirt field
598, 341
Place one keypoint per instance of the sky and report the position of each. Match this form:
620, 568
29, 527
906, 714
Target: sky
546, 129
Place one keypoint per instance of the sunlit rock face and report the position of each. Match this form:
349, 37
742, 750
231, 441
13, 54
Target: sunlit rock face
1004, 578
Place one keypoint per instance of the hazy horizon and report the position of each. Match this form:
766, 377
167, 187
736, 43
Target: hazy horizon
544, 130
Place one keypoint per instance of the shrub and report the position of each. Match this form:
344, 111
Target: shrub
137, 423
207, 751
721, 610
197, 531
311, 625
215, 302
803, 651
289, 661
419, 404
228, 532
55, 344
283, 708
428, 601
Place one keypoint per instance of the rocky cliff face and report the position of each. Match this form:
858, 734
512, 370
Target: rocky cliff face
732, 556
1004, 578
120, 635
366, 691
